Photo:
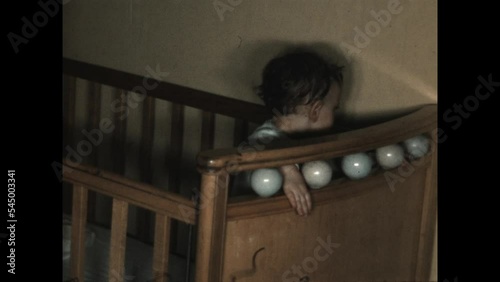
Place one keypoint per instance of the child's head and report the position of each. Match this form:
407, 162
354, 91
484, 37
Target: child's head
304, 88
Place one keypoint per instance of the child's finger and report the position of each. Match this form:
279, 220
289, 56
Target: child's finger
291, 199
308, 202
299, 204
306, 199
304, 204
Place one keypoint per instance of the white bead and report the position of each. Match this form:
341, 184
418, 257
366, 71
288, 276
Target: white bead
390, 156
317, 174
357, 166
266, 181
417, 146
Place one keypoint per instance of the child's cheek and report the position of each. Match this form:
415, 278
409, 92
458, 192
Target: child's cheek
326, 121
332, 121
329, 119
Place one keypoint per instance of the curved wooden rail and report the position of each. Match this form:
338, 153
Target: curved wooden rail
247, 157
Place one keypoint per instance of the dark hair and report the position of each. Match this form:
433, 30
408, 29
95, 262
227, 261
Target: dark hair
297, 78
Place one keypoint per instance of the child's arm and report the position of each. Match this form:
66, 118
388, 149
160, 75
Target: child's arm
295, 189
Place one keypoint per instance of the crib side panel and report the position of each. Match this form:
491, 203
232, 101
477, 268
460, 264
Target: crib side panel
371, 233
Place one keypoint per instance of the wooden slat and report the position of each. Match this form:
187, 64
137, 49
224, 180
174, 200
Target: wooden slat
79, 221
167, 91
240, 131
207, 131
118, 241
120, 132
161, 248
320, 148
174, 156
135, 193
428, 222
146, 147
69, 116
144, 217
212, 224
69, 109
94, 116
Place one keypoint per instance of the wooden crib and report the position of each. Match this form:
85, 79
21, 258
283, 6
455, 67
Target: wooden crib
374, 229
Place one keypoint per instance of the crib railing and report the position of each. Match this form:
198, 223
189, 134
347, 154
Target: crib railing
209, 102
327, 147
216, 167
124, 192
245, 115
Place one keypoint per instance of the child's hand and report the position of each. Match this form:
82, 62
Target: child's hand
295, 189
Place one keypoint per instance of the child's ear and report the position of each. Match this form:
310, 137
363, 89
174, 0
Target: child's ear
315, 110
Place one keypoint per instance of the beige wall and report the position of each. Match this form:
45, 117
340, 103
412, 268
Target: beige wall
225, 53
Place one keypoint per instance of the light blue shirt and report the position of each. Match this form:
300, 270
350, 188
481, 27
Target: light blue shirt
265, 134
262, 135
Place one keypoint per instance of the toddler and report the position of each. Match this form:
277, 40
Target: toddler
305, 89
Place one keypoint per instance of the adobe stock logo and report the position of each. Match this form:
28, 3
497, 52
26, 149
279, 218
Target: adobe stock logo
379, 20
121, 106
39, 19
300, 273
